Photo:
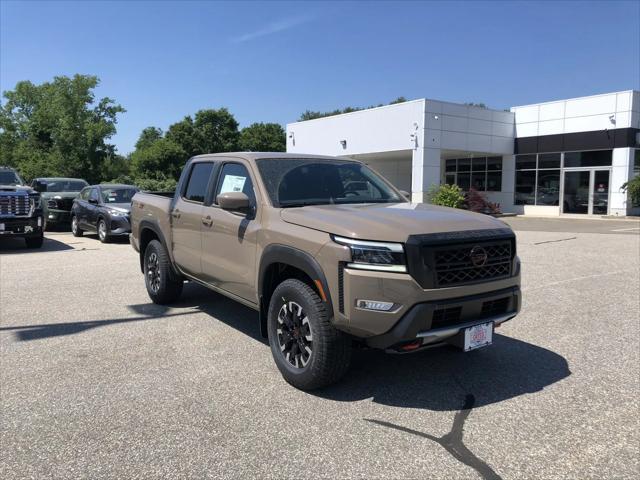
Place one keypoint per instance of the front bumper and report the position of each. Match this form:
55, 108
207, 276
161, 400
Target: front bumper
119, 226
58, 216
21, 227
434, 322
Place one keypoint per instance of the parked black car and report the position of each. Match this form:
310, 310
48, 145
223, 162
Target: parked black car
104, 209
57, 196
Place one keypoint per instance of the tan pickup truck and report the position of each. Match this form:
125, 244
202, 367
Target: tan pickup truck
330, 254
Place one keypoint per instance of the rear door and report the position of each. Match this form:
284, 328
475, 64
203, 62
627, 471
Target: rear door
186, 217
229, 239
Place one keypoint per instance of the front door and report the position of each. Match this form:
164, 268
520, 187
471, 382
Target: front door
586, 192
229, 240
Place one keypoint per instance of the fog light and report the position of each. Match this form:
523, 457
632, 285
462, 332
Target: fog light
374, 305
51, 215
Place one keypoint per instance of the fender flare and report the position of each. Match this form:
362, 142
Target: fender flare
277, 253
152, 225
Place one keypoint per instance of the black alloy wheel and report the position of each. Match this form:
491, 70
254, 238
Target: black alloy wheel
294, 334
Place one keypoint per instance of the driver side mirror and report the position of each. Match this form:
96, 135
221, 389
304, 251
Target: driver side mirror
93, 201
234, 202
40, 187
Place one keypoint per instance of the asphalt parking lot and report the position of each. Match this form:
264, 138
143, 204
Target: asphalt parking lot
98, 382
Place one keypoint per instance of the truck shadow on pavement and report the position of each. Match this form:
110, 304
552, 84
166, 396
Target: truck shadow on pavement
15, 246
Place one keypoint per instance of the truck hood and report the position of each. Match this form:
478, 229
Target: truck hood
59, 194
23, 189
387, 222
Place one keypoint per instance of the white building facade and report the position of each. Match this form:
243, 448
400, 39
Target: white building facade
568, 157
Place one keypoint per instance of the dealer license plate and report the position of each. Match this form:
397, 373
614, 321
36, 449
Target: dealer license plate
478, 336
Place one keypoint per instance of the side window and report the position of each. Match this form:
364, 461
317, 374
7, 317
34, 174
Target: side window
94, 194
235, 178
196, 190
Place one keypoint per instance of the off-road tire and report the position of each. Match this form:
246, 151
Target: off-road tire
76, 231
102, 227
331, 348
34, 242
166, 287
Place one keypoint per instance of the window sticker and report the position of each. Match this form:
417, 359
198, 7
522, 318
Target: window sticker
233, 183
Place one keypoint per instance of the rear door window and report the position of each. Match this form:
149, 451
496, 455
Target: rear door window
196, 189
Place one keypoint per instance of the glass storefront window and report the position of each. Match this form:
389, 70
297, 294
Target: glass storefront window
549, 160
525, 162
482, 173
548, 192
596, 158
525, 187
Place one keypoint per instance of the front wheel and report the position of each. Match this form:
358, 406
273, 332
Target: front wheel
162, 285
103, 233
308, 350
75, 227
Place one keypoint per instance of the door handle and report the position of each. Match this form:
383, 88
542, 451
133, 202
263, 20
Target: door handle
175, 214
207, 221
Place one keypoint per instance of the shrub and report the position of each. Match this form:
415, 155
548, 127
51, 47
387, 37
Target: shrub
477, 202
632, 187
446, 196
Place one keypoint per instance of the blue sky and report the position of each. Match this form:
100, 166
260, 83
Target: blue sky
271, 61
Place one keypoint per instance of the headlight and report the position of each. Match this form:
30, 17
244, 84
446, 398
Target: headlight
35, 200
52, 203
117, 213
382, 256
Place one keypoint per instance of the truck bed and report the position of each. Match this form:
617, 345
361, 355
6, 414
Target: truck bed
154, 208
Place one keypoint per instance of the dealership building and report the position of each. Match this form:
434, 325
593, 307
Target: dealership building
566, 157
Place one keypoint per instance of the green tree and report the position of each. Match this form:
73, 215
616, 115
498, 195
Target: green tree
162, 159
148, 136
210, 131
57, 128
263, 137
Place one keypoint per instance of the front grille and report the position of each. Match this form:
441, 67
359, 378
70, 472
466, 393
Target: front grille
448, 259
445, 317
495, 307
60, 203
455, 265
15, 205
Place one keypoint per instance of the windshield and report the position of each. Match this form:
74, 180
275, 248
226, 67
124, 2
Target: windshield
296, 182
63, 185
7, 177
117, 195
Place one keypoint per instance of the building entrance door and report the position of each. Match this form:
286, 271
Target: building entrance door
586, 191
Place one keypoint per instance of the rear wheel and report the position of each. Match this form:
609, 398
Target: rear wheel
75, 227
308, 350
103, 233
162, 284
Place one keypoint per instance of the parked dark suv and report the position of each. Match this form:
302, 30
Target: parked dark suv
57, 197
104, 209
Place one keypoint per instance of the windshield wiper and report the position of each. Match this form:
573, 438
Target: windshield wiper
302, 204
